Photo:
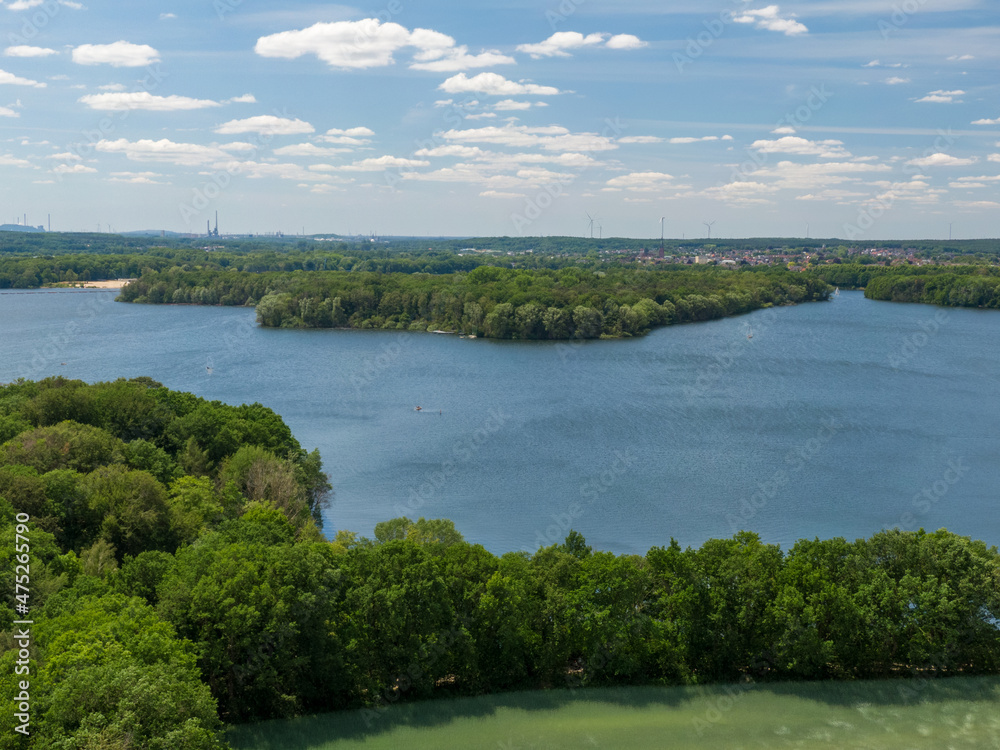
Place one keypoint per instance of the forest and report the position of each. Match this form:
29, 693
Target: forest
179, 583
489, 301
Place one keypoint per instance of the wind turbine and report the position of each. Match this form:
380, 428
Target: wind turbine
591, 224
600, 231
709, 224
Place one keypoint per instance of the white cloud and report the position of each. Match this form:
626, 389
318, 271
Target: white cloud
309, 149
244, 99
374, 164
559, 43
369, 43
493, 84
167, 16
136, 178
500, 194
460, 59
144, 100
112, 87
625, 41
690, 139
896, 80
163, 150
23, 50
73, 169
66, 156
12, 161
8, 112
960, 58
941, 160
119, 54
942, 97
265, 125
549, 137
640, 139
743, 193
641, 182
987, 122
784, 130
769, 18
13, 80
794, 176
348, 137
509, 105
993, 157
791, 144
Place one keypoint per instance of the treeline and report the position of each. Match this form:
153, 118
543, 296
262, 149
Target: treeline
178, 580
489, 301
961, 286
104, 483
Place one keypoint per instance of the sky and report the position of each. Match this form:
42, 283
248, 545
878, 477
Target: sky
855, 119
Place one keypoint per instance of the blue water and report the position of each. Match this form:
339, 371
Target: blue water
834, 419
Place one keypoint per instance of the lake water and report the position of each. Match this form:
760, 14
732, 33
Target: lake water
834, 419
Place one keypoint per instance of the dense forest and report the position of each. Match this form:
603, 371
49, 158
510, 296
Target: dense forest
488, 301
950, 287
179, 581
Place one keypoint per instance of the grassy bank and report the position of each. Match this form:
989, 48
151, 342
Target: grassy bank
954, 713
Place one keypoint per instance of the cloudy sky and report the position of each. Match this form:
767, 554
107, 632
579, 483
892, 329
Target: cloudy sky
860, 119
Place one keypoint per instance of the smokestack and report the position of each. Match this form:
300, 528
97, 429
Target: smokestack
208, 227
216, 223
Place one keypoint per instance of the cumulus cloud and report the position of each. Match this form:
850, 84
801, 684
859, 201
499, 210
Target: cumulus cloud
941, 160
117, 101
769, 18
244, 99
493, 84
374, 164
369, 43
23, 50
349, 137
549, 137
8, 112
942, 97
741, 193
995, 121
560, 43
266, 125
691, 139
500, 194
896, 80
136, 178
960, 58
119, 54
13, 80
625, 41
791, 144
309, 149
72, 169
510, 105
163, 150
640, 139
641, 182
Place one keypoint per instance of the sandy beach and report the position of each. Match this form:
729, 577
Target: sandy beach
112, 284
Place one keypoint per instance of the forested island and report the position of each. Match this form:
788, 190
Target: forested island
180, 582
490, 301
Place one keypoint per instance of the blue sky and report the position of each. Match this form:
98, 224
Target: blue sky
860, 119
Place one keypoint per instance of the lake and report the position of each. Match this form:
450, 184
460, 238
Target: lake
838, 418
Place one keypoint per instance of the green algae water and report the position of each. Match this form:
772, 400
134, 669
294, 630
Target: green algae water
885, 715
